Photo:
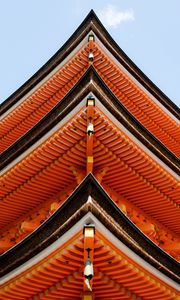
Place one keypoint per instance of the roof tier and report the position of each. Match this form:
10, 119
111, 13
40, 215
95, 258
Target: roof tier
61, 159
60, 275
115, 72
58, 272
42, 100
89, 143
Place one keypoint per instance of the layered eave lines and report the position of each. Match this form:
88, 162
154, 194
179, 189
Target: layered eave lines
60, 275
138, 102
61, 159
48, 166
118, 273
89, 138
39, 103
119, 79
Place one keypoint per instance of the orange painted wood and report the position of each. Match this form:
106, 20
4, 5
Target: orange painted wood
60, 275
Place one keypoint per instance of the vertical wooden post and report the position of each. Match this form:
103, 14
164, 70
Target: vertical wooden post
88, 296
90, 133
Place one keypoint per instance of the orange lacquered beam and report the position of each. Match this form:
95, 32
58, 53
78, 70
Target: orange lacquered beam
148, 112
52, 284
44, 168
30, 113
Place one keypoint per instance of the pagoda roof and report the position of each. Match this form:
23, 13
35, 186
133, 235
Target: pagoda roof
90, 197
130, 160
34, 158
47, 87
90, 23
90, 82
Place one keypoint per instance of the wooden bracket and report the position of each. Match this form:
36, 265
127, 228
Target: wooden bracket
100, 173
88, 296
78, 173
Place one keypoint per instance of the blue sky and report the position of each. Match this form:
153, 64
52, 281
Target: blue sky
148, 31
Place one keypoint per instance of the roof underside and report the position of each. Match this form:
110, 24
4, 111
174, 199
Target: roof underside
132, 153
61, 276
60, 273
61, 160
118, 74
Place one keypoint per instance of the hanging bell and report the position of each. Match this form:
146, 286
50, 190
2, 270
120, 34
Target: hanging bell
91, 57
88, 273
88, 269
90, 129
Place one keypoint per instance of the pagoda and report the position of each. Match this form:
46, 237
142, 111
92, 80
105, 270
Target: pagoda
90, 189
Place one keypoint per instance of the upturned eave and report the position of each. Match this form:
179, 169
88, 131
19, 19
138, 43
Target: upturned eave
77, 206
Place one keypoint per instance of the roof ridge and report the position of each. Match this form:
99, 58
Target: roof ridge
91, 22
